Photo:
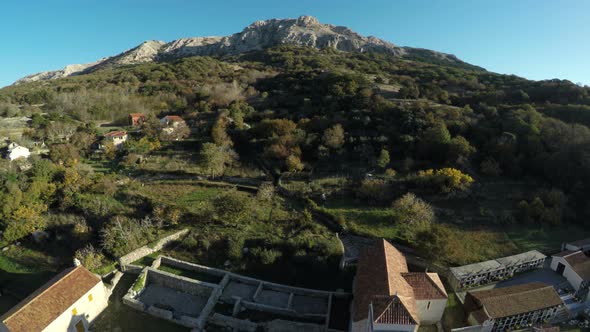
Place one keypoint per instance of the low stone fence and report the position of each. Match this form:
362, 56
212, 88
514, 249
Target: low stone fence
132, 269
147, 249
234, 323
190, 266
183, 284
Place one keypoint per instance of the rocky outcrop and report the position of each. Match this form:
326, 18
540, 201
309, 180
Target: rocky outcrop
303, 31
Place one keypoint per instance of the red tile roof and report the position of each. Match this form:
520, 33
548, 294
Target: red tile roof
173, 118
379, 274
393, 311
115, 134
426, 286
47, 303
137, 115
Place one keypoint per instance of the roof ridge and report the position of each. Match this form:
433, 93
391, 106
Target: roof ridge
521, 292
440, 291
41, 293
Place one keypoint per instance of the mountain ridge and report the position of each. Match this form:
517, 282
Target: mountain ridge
302, 31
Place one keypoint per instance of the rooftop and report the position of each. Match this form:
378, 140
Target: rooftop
172, 118
496, 264
41, 308
513, 300
379, 280
116, 134
580, 263
581, 243
426, 285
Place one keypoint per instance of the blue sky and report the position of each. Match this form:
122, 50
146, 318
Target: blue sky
536, 39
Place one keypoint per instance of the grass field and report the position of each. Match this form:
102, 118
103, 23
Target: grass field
23, 270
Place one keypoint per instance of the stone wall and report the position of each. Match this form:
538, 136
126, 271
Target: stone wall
130, 268
231, 322
183, 284
190, 266
147, 250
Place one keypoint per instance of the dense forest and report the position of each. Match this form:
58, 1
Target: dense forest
399, 131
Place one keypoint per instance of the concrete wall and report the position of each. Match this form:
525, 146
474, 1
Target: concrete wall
360, 326
86, 310
476, 328
395, 327
572, 277
183, 284
147, 250
433, 314
190, 266
231, 322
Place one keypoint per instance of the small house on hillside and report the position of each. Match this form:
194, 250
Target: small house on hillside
507, 308
16, 151
172, 121
575, 267
116, 137
68, 302
136, 119
387, 297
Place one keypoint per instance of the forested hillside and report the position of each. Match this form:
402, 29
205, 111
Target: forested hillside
416, 149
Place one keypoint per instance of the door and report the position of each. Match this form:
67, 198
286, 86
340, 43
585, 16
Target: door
560, 268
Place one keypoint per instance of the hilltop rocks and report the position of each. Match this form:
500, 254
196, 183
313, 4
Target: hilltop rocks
303, 31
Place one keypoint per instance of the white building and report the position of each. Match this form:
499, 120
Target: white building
69, 302
497, 269
389, 298
16, 151
116, 137
575, 267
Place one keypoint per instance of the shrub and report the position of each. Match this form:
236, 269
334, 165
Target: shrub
374, 190
266, 256
445, 180
90, 257
390, 172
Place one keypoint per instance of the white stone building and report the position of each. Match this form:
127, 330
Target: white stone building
387, 297
69, 302
575, 267
16, 151
116, 137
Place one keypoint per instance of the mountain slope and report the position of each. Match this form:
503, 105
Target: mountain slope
303, 31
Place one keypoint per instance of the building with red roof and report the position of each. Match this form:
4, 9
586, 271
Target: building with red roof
387, 297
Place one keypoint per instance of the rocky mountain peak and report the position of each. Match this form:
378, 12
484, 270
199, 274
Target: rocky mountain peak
302, 31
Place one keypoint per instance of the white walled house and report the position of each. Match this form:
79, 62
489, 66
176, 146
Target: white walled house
575, 267
115, 137
386, 297
16, 151
69, 302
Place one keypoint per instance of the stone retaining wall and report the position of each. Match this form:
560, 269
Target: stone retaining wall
231, 322
130, 268
147, 250
183, 284
190, 266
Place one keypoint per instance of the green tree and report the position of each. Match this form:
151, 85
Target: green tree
383, 159
334, 137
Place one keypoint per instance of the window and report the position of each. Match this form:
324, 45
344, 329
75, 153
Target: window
428, 306
74, 312
80, 327
89, 297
